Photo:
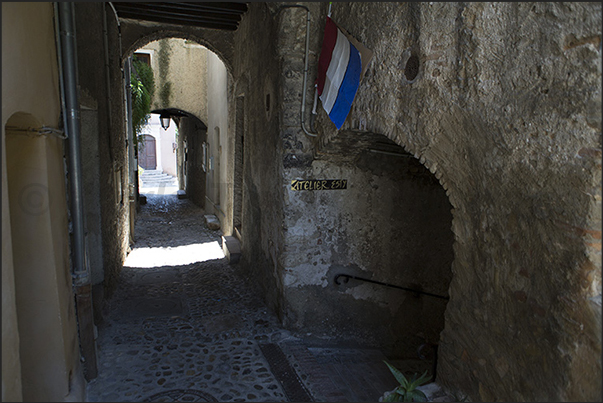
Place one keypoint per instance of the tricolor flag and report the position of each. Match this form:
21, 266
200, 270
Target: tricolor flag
340, 67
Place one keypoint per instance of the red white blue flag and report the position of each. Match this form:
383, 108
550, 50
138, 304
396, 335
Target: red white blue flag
339, 70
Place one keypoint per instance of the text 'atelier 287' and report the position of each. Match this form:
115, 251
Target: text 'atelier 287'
319, 184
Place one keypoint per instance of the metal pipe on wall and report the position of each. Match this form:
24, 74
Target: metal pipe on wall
305, 83
107, 77
72, 127
69, 100
129, 128
132, 161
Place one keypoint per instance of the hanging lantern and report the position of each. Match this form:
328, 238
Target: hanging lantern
165, 121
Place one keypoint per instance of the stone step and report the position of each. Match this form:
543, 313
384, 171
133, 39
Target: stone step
157, 184
156, 176
212, 222
231, 248
159, 179
162, 179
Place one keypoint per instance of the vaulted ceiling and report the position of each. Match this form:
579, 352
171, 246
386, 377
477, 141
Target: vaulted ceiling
221, 15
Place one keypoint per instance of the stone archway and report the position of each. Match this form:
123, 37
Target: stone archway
184, 62
136, 37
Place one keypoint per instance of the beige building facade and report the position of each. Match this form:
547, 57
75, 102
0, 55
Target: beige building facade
40, 349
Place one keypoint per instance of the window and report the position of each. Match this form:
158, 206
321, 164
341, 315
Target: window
143, 57
204, 161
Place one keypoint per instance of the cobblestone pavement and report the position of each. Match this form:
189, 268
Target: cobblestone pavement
200, 332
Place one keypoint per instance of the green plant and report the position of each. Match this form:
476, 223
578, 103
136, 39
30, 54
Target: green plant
407, 391
143, 88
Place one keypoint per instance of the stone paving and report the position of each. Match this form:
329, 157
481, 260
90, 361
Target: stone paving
200, 331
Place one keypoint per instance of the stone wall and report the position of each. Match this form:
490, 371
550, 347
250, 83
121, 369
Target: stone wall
180, 72
256, 71
503, 108
102, 93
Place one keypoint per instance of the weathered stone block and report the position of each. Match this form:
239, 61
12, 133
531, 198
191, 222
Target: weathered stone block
181, 194
212, 222
231, 248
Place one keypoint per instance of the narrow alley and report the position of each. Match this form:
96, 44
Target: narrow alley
200, 331
271, 201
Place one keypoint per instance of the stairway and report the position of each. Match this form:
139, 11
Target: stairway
154, 178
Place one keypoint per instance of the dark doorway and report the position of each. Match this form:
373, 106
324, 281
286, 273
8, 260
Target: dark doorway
147, 155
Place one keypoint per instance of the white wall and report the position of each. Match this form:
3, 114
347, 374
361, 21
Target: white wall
164, 140
217, 114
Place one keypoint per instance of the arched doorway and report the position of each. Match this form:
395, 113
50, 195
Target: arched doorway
177, 94
147, 152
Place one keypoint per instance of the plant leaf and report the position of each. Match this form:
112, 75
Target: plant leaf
389, 398
417, 396
397, 374
418, 382
393, 397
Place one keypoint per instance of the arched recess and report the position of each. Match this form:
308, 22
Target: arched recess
412, 247
48, 344
393, 225
439, 172
437, 160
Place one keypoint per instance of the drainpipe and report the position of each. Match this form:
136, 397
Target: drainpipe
71, 117
107, 76
132, 162
129, 129
305, 84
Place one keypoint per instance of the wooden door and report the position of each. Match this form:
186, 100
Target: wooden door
147, 157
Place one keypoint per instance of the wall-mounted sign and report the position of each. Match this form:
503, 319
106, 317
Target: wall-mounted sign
319, 184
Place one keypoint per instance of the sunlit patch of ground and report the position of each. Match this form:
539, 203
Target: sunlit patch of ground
158, 190
174, 256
